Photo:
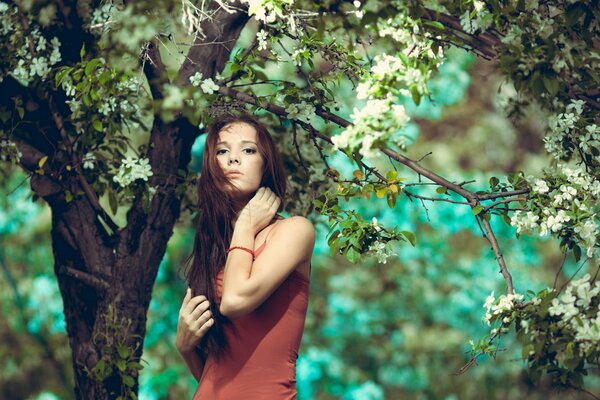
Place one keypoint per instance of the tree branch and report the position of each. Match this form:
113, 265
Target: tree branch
154, 69
484, 42
88, 279
89, 192
472, 198
220, 34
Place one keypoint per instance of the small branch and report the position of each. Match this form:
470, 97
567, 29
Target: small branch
93, 199
58, 121
484, 42
225, 27
89, 192
491, 196
154, 69
86, 278
410, 194
502, 201
499, 258
474, 358
297, 147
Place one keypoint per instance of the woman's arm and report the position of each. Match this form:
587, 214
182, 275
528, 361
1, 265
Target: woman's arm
194, 321
194, 362
247, 284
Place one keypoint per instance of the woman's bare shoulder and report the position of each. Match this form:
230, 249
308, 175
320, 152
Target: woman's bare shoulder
298, 225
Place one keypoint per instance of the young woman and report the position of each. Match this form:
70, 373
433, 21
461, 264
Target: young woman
241, 320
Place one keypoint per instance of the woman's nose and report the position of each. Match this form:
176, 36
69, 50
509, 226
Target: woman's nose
233, 159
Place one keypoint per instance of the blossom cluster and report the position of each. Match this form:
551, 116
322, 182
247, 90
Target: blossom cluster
267, 11
111, 101
32, 54
578, 311
504, 304
566, 200
477, 19
207, 85
373, 124
132, 168
303, 110
379, 249
412, 66
570, 126
88, 160
9, 150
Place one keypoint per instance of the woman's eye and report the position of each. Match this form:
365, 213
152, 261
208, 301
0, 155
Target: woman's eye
221, 151
250, 151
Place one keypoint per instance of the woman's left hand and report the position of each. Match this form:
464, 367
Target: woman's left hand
259, 211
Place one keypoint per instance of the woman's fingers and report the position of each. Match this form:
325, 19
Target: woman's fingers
199, 310
186, 299
191, 304
202, 320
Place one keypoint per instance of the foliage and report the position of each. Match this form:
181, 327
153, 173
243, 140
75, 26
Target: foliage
299, 57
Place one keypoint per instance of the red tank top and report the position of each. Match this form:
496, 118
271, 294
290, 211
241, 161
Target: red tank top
260, 363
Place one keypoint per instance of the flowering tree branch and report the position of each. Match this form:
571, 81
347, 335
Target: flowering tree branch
472, 198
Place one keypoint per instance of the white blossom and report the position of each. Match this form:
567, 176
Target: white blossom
208, 86
88, 160
540, 186
196, 79
132, 168
261, 36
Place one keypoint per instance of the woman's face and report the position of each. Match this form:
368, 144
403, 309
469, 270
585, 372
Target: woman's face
238, 156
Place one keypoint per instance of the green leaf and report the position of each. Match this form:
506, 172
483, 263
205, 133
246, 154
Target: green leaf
121, 365
86, 100
104, 77
477, 209
494, 182
128, 381
410, 236
352, 255
441, 190
435, 24
391, 199
42, 161
577, 252
112, 201
123, 351
82, 51
416, 96
98, 125
91, 67
135, 365
551, 85
21, 112
391, 175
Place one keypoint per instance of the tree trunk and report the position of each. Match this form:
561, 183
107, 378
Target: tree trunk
106, 273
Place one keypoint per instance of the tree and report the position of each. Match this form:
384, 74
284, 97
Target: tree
84, 85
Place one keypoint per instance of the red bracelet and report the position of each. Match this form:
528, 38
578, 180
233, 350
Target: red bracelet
241, 248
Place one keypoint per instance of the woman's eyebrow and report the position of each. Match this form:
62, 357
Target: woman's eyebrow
243, 141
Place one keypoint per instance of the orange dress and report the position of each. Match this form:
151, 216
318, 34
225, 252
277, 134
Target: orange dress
260, 363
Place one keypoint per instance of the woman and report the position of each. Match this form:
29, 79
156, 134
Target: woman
241, 321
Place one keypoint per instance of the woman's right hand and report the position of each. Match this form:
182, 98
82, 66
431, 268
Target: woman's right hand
195, 320
259, 211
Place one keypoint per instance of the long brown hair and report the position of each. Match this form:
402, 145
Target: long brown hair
215, 213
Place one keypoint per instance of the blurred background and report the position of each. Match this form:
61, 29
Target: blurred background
373, 331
